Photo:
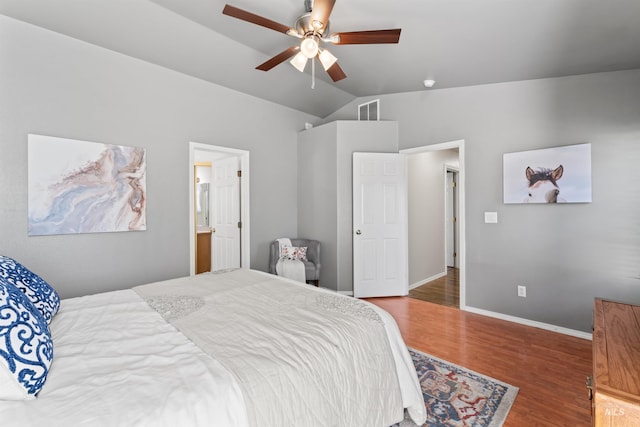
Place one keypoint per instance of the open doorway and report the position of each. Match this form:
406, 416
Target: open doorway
202, 202
227, 206
436, 223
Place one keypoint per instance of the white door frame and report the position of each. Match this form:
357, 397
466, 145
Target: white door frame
245, 240
459, 144
454, 212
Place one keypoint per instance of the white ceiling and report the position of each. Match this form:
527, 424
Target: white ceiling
455, 42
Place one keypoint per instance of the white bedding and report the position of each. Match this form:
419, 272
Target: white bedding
267, 352
118, 363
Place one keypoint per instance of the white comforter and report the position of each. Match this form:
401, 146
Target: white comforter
267, 352
117, 362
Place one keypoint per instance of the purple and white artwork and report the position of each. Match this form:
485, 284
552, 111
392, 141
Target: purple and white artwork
549, 175
85, 187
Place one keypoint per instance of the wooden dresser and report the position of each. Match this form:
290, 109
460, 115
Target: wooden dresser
616, 364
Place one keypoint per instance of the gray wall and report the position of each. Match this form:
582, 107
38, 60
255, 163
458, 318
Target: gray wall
55, 85
317, 201
426, 207
326, 188
565, 254
355, 136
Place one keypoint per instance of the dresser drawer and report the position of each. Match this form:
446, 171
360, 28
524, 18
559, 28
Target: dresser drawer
615, 384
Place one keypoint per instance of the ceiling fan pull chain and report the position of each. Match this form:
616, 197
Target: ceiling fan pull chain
313, 73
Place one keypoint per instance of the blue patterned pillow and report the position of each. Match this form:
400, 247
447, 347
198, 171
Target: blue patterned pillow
26, 348
39, 292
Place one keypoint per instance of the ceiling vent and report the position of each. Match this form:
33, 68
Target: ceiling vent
369, 110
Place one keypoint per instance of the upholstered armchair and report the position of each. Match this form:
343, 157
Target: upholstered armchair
311, 266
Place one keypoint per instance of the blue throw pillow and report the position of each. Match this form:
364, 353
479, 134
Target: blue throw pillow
26, 348
39, 292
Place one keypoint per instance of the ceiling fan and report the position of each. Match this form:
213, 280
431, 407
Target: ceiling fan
312, 28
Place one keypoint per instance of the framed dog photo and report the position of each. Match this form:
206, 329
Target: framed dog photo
550, 175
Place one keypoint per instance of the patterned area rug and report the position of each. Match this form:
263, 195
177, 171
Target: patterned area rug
455, 396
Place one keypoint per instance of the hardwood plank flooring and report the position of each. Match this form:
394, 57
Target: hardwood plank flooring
444, 290
549, 368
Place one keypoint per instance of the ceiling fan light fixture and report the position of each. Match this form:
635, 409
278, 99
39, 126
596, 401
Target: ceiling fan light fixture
299, 61
311, 28
309, 47
327, 59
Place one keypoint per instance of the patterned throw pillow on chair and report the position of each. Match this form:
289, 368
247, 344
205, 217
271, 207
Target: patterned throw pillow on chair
26, 347
39, 292
293, 252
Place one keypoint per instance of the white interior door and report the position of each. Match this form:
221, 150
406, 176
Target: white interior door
380, 262
225, 214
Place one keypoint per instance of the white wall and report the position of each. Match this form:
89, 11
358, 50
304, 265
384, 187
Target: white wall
55, 85
426, 207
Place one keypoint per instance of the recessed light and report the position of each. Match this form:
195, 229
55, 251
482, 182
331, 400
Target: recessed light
429, 83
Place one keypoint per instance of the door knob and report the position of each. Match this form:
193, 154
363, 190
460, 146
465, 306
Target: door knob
358, 232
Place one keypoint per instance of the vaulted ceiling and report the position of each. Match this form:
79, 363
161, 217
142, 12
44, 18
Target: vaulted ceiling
455, 42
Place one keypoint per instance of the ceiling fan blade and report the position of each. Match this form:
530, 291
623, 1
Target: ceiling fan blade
367, 37
278, 59
255, 19
321, 11
336, 73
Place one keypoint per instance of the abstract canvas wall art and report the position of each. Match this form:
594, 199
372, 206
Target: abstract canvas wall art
85, 187
550, 175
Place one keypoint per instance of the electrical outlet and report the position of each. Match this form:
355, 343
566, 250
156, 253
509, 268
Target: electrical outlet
522, 291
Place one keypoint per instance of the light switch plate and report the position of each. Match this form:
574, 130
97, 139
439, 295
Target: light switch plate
491, 217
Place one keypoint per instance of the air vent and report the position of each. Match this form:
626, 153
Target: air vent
369, 110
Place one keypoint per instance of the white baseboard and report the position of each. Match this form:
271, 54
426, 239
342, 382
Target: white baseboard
535, 324
428, 279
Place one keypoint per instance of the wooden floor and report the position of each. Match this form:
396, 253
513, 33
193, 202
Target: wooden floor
444, 290
549, 368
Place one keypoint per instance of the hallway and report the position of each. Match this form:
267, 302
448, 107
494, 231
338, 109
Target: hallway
444, 291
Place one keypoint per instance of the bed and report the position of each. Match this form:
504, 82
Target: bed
236, 348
